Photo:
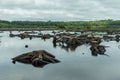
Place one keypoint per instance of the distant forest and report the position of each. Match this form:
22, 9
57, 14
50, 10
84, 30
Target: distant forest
91, 25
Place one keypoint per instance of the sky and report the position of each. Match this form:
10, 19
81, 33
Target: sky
59, 10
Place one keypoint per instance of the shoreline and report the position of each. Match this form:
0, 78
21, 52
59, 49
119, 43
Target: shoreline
42, 29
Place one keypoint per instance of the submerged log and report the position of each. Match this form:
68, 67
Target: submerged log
38, 58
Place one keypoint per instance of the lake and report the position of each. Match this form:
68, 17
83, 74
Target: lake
76, 64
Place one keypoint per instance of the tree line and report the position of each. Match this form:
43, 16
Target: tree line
91, 25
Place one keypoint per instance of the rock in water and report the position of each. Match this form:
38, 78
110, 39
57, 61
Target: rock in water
38, 58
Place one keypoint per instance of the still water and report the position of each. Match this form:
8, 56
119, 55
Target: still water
75, 65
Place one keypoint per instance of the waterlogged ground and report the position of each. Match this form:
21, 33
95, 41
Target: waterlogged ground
76, 64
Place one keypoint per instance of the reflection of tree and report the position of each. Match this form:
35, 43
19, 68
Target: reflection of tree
72, 47
66, 47
117, 38
0, 42
97, 49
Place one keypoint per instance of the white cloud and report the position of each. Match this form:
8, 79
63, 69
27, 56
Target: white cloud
59, 10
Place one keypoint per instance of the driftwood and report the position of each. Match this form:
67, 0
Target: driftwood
38, 58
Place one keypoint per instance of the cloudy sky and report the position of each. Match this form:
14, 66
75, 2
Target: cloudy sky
59, 10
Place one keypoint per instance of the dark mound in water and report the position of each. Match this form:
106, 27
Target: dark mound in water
38, 58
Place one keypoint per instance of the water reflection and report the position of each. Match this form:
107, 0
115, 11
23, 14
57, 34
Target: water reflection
72, 41
77, 65
95, 49
66, 47
69, 41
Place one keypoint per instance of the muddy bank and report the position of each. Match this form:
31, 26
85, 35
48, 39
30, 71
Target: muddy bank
22, 29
